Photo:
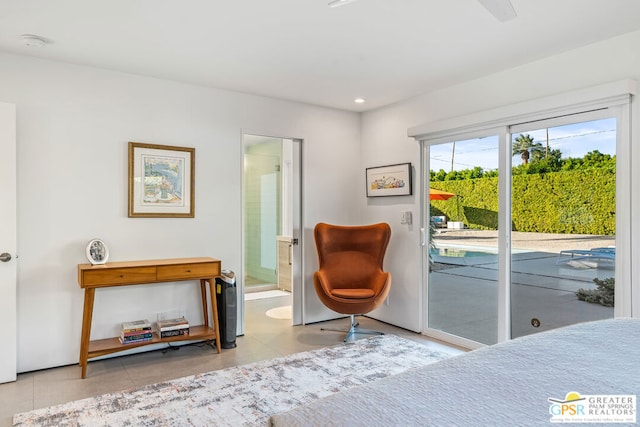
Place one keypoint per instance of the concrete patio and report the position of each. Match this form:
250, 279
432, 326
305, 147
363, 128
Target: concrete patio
463, 289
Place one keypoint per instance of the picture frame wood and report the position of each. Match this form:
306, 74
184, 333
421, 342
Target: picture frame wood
161, 181
389, 180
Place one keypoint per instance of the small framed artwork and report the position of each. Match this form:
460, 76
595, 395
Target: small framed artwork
391, 180
97, 252
161, 181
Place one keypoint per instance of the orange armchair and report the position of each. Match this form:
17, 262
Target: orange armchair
350, 279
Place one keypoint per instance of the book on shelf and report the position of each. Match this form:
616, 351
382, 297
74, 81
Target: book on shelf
131, 341
124, 333
136, 325
172, 323
144, 335
173, 328
173, 333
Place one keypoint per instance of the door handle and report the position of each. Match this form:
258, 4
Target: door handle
5, 257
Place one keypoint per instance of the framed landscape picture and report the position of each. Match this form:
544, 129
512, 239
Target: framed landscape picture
161, 181
391, 180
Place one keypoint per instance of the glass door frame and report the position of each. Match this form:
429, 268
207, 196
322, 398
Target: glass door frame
617, 105
504, 236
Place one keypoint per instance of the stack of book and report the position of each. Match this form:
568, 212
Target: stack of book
172, 327
136, 331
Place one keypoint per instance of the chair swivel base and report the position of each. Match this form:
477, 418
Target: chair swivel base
353, 330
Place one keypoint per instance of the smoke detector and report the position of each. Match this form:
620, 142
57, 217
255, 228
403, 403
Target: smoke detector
31, 40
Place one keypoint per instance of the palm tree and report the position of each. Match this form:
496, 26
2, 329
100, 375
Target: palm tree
525, 147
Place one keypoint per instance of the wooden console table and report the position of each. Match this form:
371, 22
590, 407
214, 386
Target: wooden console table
91, 277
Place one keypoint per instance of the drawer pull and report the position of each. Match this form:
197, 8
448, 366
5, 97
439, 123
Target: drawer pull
121, 276
188, 271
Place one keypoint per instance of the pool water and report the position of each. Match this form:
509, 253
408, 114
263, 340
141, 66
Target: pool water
458, 252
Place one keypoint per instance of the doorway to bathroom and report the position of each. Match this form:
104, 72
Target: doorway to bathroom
271, 225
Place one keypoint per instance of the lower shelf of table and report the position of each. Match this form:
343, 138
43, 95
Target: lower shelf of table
113, 345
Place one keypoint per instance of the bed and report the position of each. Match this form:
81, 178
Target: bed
512, 383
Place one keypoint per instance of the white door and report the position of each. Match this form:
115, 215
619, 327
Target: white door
296, 234
8, 243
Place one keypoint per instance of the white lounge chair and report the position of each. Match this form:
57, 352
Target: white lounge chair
594, 254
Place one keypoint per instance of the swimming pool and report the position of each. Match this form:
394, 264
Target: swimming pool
460, 252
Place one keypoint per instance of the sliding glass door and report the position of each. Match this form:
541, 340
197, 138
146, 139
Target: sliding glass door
463, 235
523, 227
563, 209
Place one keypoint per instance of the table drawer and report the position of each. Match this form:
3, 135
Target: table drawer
188, 271
119, 276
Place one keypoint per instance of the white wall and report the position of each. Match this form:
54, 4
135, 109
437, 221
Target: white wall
8, 242
385, 141
73, 125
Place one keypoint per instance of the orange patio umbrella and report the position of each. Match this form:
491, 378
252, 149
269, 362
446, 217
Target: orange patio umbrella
439, 194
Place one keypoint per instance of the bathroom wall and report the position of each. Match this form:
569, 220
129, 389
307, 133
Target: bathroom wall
262, 201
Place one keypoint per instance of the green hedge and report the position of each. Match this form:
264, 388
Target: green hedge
574, 202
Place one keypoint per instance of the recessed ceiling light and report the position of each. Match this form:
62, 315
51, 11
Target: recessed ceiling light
32, 40
359, 100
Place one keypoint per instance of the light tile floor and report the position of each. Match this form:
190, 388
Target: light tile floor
264, 338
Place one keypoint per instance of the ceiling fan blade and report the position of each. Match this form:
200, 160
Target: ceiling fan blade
502, 9
336, 3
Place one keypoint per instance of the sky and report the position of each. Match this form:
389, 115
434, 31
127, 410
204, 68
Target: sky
573, 140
